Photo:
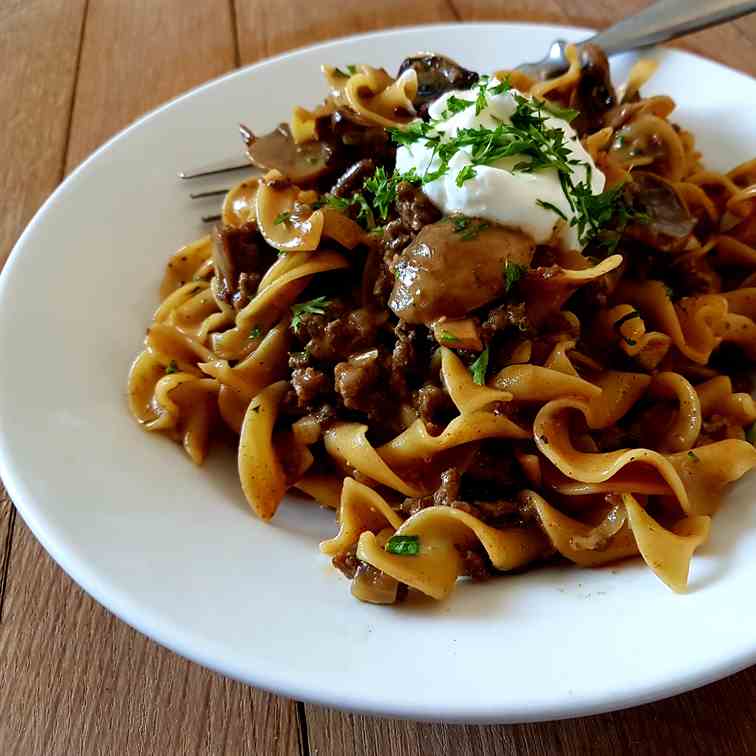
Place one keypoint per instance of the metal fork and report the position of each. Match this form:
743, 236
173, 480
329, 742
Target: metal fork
660, 22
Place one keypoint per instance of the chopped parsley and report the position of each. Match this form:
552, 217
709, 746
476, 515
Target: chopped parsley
448, 337
467, 228
352, 69
315, 306
374, 200
255, 333
566, 114
694, 456
540, 146
751, 435
549, 206
465, 174
171, 367
617, 325
479, 368
283, 217
403, 545
513, 272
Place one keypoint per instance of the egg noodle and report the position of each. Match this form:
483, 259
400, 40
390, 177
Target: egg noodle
469, 399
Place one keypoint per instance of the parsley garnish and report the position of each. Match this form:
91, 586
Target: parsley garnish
448, 337
479, 368
693, 456
283, 217
352, 69
171, 367
255, 332
617, 325
751, 435
315, 306
403, 545
513, 272
467, 228
539, 144
566, 114
467, 173
454, 105
549, 206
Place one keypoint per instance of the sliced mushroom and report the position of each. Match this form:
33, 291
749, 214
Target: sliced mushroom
436, 74
301, 163
445, 273
669, 223
594, 94
286, 222
650, 142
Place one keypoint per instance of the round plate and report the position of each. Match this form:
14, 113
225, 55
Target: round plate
175, 551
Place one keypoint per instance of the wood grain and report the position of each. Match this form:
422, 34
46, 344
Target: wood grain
733, 44
36, 87
694, 719
77, 680
267, 28
138, 54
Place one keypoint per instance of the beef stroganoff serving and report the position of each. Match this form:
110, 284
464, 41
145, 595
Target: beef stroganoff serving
492, 322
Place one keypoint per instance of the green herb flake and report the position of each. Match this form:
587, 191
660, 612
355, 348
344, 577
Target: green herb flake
172, 367
352, 69
448, 337
694, 456
479, 368
617, 325
467, 173
403, 545
283, 217
751, 435
315, 306
255, 333
513, 272
670, 292
549, 206
555, 109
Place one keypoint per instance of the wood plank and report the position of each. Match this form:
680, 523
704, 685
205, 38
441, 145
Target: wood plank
36, 87
138, 54
74, 678
77, 680
733, 44
267, 28
7, 526
717, 719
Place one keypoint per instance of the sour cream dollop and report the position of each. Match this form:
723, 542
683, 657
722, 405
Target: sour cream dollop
498, 193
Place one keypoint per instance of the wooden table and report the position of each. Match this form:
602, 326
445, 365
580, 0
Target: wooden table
73, 679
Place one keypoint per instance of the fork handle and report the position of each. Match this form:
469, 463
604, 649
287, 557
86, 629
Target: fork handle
669, 19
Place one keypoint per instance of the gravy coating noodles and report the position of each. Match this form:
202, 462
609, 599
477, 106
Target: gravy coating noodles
491, 322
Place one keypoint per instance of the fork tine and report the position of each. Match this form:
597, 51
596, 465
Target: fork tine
211, 171
212, 193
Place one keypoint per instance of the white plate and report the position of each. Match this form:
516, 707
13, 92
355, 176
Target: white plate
174, 550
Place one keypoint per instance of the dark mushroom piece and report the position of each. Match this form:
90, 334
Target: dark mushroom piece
668, 223
448, 273
594, 94
436, 74
240, 257
301, 163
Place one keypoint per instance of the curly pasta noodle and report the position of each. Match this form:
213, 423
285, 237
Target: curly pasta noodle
587, 405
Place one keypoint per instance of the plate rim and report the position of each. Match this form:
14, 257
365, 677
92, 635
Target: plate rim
143, 621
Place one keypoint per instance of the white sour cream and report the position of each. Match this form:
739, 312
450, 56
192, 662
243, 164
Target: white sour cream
497, 193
